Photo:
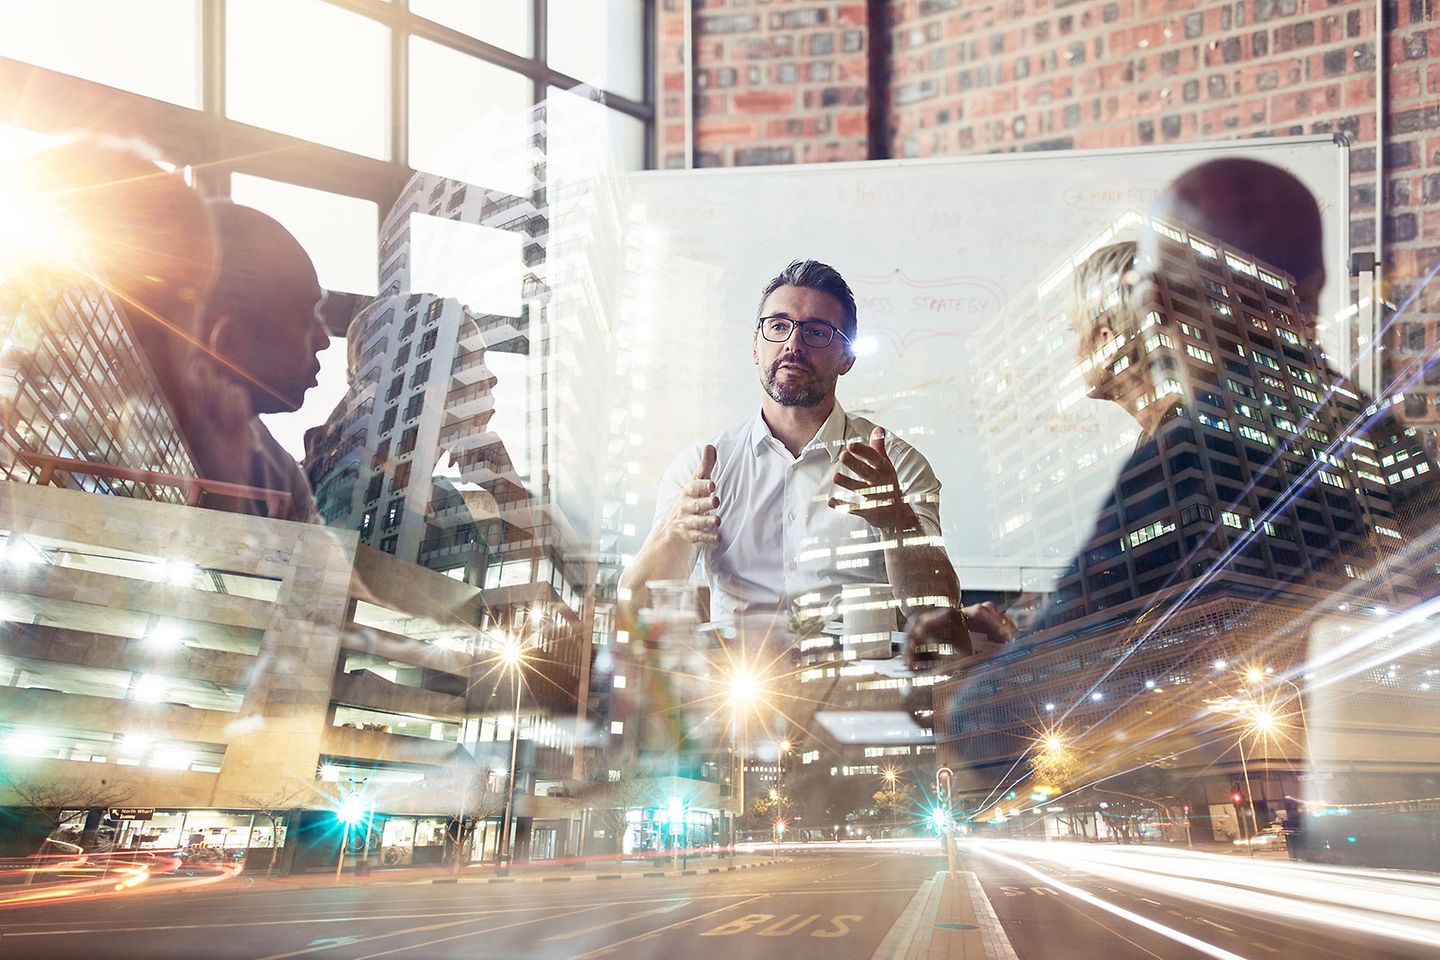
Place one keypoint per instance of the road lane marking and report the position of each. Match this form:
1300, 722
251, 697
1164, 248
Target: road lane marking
462, 936
615, 923
1212, 923
620, 943
1155, 902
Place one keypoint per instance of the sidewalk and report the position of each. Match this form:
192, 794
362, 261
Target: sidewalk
562, 872
947, 920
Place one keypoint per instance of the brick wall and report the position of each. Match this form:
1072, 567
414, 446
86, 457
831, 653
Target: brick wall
783, 81
979, 76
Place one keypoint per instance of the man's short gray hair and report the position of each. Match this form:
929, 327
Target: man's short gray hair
814, 275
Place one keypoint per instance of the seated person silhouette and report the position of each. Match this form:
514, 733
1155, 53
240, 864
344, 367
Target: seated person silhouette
261, 335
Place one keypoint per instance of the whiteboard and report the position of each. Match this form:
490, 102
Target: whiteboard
937, 252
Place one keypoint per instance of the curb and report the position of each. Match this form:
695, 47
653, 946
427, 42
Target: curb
646, 875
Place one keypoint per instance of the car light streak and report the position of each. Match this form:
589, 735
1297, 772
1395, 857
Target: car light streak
72, 878
1398, 906
1209, 949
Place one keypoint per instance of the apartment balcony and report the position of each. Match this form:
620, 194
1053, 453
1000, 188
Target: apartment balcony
469, 368
468, 402
468, 433
492, 331
469, 506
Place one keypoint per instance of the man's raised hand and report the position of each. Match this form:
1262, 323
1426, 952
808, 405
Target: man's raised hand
881, 504
691, 518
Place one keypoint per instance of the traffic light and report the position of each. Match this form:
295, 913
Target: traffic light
1237, 798
1187, 809
943, 777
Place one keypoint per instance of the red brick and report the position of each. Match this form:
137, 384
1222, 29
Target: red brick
1430, 225
717, 130
764, 101
1360, 92
1403, 84
852, 124
851, 15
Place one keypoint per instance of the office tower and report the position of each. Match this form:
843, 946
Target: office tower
1268, 473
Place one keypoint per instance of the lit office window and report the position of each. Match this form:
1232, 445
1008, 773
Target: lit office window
599, 42
150, 47
504, 23
311, 70
469, 120
340, 233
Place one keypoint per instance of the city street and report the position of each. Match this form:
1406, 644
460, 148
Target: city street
1052, 901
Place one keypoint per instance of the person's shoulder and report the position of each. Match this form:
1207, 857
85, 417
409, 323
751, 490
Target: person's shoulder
725, 444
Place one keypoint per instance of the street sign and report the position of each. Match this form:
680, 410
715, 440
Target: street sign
130, 813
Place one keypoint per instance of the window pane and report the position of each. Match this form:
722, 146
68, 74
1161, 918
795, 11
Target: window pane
580, 132
101, 40
505, 23
599, 42
469, 119
340, 233
311, 70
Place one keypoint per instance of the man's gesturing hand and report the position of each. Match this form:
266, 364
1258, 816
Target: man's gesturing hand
691, 519
881, 504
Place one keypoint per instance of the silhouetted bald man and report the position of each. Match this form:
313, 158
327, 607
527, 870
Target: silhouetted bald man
1259, 208
262, 335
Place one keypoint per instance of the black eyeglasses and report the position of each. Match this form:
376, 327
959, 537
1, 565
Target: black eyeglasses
813, 333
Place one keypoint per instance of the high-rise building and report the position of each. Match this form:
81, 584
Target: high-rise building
1270, 469
476, 417
1251, 533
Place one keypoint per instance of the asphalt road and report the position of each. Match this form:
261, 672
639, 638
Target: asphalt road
827, 906
1052, 907
1054, 902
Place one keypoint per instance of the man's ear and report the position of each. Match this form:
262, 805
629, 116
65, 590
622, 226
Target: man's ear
849, 362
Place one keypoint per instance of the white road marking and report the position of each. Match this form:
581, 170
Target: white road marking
620, 943
615, 923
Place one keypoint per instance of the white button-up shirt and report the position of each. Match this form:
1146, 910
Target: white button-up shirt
779, 539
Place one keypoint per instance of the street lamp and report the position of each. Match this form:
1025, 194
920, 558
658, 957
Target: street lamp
351, 811
744, 690
512, 655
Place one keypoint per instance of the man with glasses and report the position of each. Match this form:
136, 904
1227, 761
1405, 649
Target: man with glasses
801, 499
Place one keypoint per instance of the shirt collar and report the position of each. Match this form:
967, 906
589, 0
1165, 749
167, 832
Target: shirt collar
831, 437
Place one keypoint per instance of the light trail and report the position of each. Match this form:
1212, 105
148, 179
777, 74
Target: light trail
105, 876
1209, 949
1397, 906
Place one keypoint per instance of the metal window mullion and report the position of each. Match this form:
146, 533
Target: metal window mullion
400, 96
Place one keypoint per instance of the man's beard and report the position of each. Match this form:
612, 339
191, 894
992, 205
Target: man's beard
807, 394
